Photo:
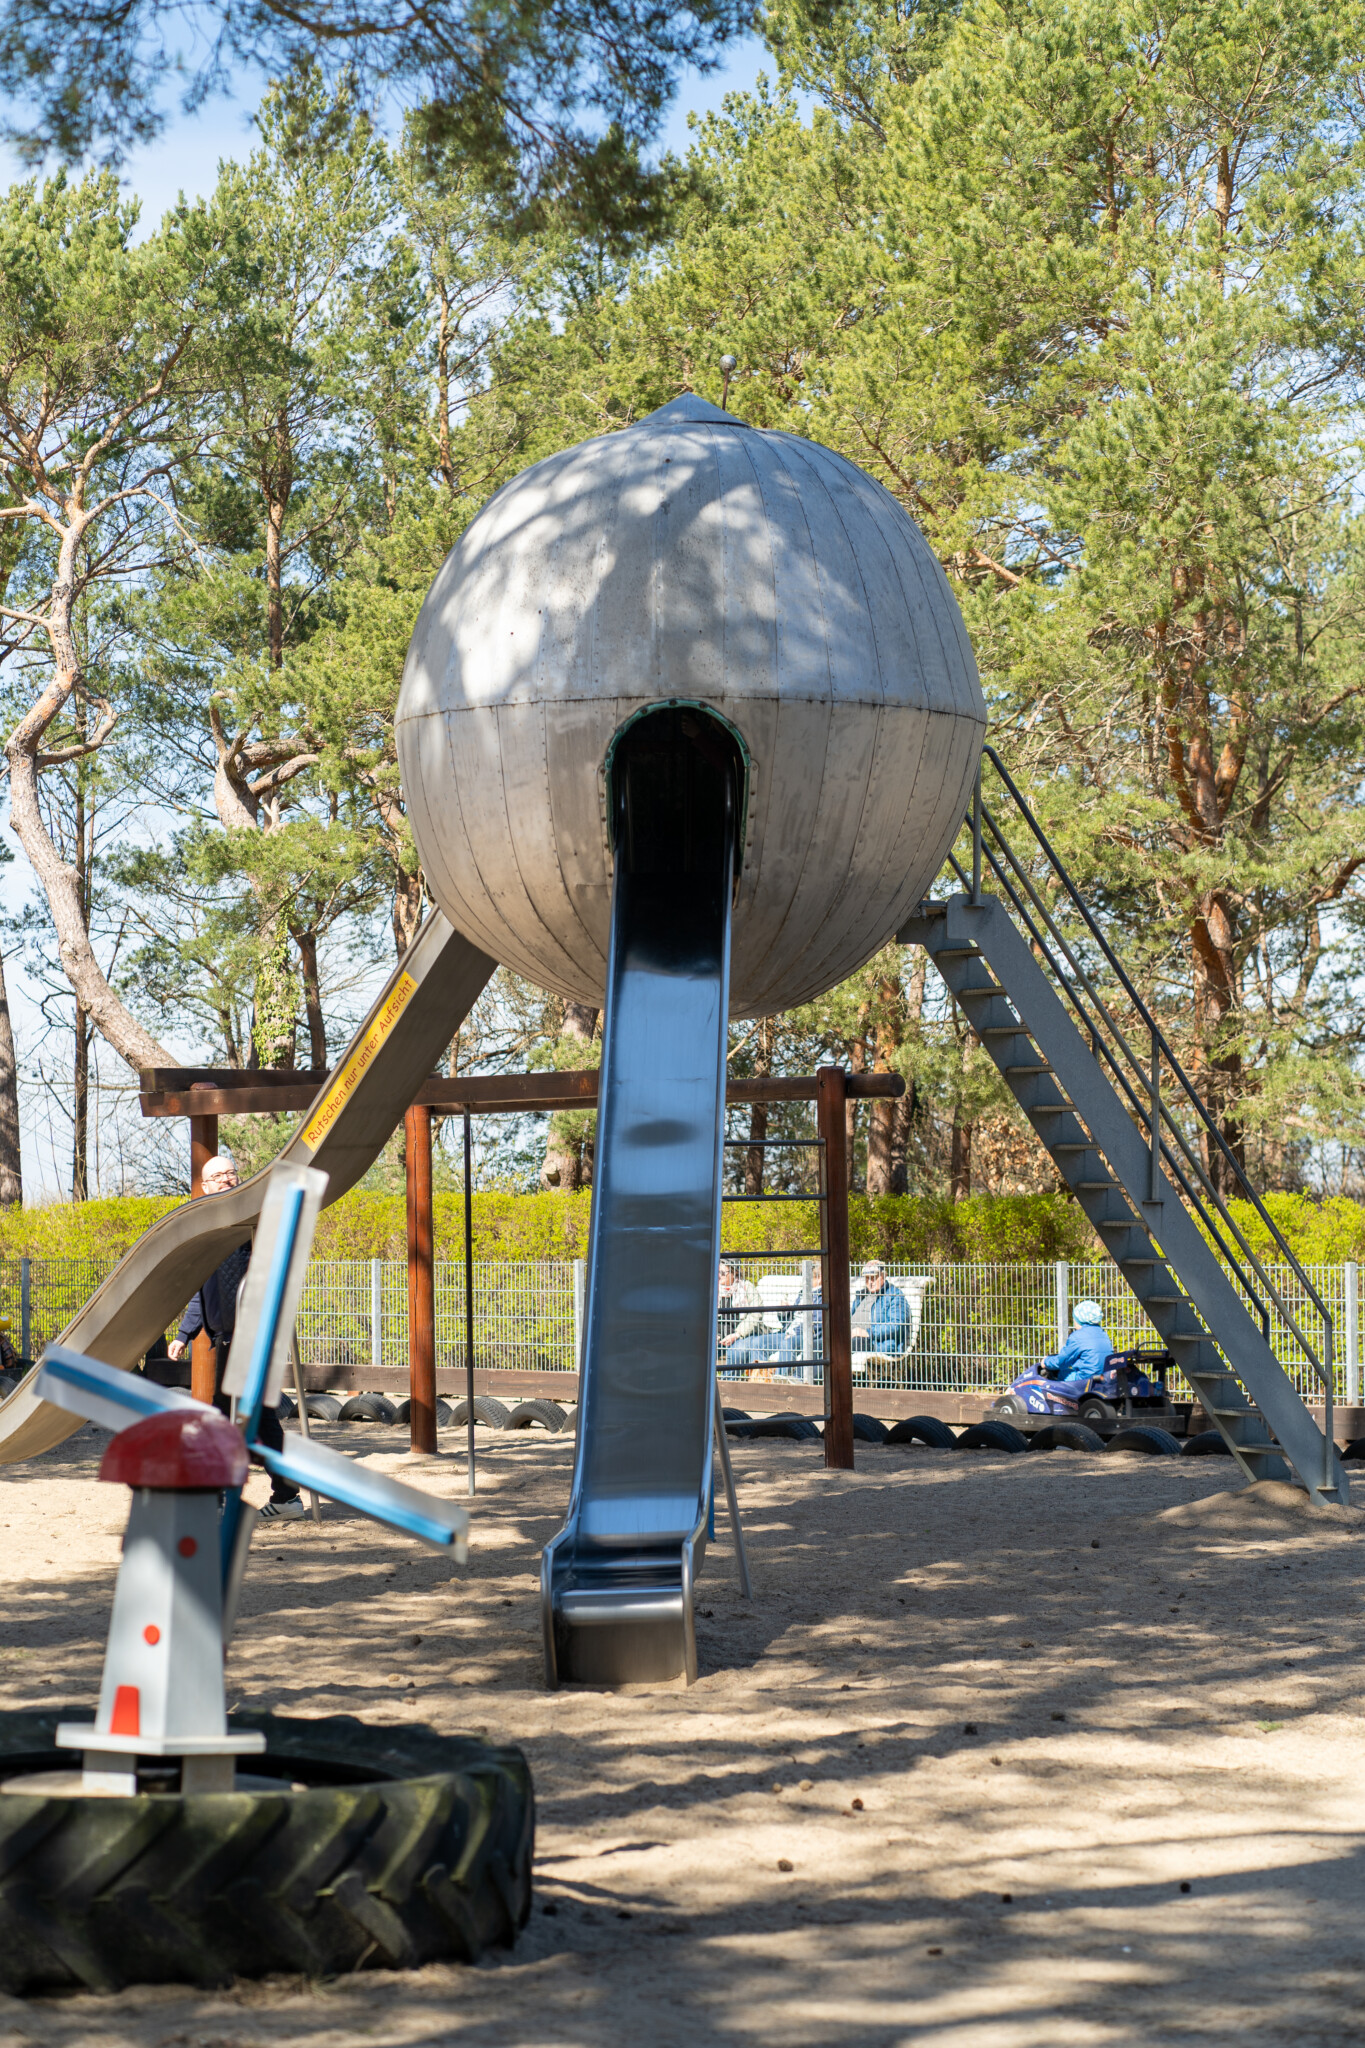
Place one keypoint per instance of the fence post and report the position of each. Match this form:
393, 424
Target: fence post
377, 1314
832, 1123
808, 1321
1352, 1334
421, 1282
25, 1307
1063, 1272
580, 1273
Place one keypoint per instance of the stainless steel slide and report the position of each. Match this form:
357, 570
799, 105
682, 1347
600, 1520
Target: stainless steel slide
423, 1004
616, 1583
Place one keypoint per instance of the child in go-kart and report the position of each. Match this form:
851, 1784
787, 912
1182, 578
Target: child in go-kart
1084, 1352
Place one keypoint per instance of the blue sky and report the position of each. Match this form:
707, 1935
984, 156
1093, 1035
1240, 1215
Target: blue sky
187, 155
186, 159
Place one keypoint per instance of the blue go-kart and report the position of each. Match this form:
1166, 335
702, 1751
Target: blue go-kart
1131, 1388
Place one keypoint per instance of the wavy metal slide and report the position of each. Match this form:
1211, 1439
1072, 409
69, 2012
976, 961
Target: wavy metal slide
422, 1006
616, 1583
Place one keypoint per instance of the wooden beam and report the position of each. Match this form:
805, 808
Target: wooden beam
203, 1352
481, 1094
421, 1282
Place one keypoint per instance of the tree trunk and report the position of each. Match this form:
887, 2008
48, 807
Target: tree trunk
960, 1164
80, 1124
11, 1170
1217, 999
277, 484
756, 1157
445, 461
307, 943
888, 1126
58, 877
857, 1064
568, 1147
407, 910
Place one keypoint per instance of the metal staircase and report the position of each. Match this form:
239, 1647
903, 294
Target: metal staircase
1125, 1133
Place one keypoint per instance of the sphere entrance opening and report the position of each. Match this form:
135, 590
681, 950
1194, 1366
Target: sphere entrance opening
675, 777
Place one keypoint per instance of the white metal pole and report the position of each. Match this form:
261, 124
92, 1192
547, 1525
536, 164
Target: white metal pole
580, 1272
377, 1314
1352, 1334
808, 1320
1063, 1303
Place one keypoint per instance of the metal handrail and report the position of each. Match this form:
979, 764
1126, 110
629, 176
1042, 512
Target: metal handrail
1155, 1114
1102, 1050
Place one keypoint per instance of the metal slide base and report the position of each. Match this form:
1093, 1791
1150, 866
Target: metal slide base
423, 1003
624, 1624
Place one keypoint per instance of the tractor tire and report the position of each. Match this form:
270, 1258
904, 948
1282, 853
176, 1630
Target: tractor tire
1145, 1437
1092, 1409
992, 1436
923, 1429
867, 1430
735, 1415
1209, 1443
488, 1410
323, 1408
369, 1408
1355, 1448
402, 1414
286, 1407
379, 1848
1065, 1436
548, 1414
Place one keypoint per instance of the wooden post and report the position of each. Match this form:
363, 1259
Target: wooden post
831, 1096
203, 1147
421, 1282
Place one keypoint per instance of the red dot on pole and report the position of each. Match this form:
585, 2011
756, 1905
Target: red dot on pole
151, 1634
187, 1546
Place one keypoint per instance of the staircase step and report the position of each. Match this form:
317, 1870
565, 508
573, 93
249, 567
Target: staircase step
1094, 1187
957, 952
1137, 1259
1000, 1031
1069, 1145
1040, 1068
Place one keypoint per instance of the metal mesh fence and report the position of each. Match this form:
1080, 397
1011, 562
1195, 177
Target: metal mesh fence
971, 1327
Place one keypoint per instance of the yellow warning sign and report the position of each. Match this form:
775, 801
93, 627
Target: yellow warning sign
347, 1078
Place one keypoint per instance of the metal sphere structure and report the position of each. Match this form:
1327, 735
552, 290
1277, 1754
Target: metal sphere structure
690, 559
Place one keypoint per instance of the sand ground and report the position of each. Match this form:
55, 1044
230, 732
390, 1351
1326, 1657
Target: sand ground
1059, 1749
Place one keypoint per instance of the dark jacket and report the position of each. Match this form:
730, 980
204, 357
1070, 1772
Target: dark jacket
214, 1307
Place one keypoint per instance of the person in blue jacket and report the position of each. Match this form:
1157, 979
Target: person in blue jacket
881, 1314
1084, 1351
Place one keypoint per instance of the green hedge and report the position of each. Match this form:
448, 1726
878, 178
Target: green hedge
553, 1226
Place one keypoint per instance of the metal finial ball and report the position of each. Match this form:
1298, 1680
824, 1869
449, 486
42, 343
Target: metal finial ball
729, 364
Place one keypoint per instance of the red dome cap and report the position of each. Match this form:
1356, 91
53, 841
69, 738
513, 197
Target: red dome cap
185, 1450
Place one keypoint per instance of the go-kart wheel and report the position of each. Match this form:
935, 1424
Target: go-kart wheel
351, 1848
1093, 1410
1010, 1407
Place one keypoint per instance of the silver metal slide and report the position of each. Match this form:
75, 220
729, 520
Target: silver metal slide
616, 1583
422, 1006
